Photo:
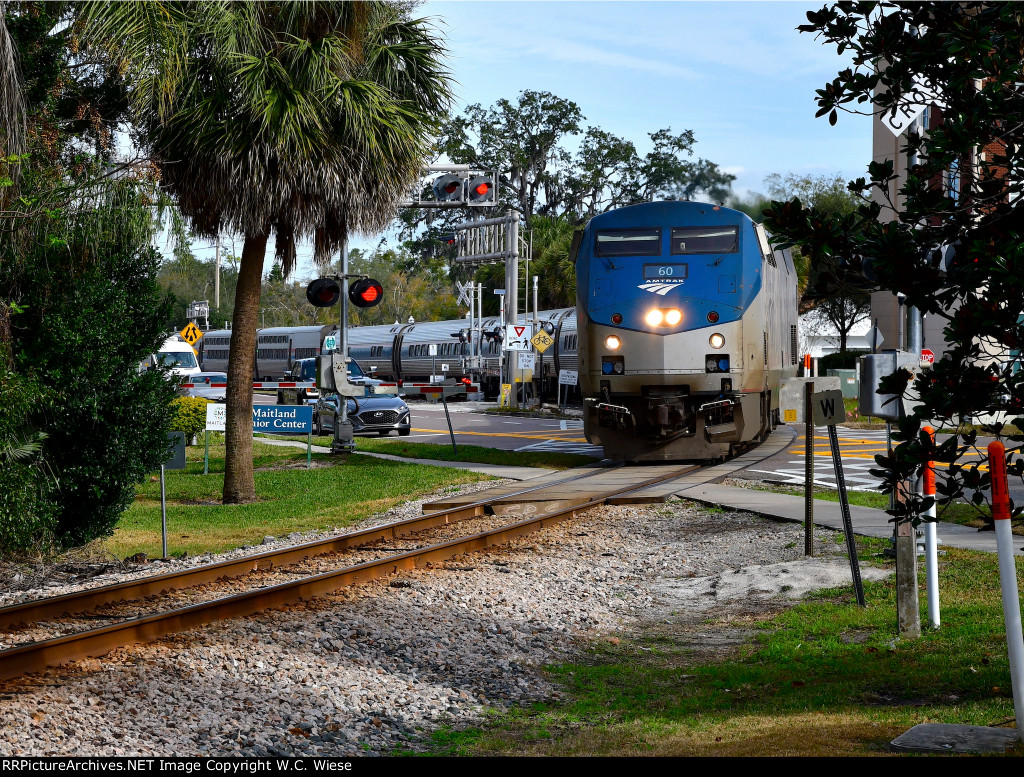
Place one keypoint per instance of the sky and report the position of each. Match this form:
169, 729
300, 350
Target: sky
736, 73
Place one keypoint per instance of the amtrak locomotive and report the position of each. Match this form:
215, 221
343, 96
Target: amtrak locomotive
687, 327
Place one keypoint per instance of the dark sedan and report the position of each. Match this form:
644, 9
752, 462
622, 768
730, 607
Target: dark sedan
378, 415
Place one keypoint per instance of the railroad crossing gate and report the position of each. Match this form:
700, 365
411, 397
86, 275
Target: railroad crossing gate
191, 334
542, 341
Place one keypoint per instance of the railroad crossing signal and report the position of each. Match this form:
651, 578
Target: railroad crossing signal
191, 334
365, 293
323, 292
465, 293
542, 341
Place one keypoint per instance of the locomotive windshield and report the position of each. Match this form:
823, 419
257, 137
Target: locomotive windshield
628, 242
705, 240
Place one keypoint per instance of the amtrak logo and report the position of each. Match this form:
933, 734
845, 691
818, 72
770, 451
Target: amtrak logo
660, 287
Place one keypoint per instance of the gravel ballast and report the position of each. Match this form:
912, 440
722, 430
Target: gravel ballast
378, 667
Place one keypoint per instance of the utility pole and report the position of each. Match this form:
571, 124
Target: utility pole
216, 278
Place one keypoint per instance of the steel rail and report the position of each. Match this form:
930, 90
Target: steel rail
36, 610
36, 656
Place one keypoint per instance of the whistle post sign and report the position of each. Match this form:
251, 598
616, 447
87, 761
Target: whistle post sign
828, 408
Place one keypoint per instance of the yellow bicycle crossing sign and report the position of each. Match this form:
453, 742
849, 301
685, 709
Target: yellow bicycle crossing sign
191, 334
542, 341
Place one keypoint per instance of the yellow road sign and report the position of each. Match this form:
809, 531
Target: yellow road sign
191, 334
542, 341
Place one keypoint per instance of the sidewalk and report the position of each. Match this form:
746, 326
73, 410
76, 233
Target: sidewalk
867, 521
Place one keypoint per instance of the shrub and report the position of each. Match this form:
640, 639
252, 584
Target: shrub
844, 360
189, 416
92, 310
27, 512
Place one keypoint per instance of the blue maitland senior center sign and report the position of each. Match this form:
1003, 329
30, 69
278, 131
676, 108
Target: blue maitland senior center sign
283, 419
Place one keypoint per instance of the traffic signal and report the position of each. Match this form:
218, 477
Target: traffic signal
323, 292
449, 188
481, 190
365, 293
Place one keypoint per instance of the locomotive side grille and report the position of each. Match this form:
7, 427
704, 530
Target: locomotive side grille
792, 344
765, 349
379, 416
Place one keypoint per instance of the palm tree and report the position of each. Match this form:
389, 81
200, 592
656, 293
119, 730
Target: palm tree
291, 119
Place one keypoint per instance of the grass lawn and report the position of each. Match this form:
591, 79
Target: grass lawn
291, 498
955, 512
467, 453
824, 678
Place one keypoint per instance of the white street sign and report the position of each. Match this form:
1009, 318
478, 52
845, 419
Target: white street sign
525, 360
216, 417
908, 112
432, 349
465, 293
568, 377
517, 337
444, 368
330, 342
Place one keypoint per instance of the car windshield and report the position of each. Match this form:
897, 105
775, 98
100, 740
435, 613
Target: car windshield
177, 359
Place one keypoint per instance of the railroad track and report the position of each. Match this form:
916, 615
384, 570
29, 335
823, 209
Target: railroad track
109, 603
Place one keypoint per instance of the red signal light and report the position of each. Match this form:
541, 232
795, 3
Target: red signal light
365, 293
482, 189
323, 292
451, 187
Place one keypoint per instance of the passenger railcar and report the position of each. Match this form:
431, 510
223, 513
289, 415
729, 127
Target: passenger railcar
401, 352
277, 349
687, 327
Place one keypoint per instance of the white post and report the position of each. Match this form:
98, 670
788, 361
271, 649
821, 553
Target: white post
931, 541
1007, 576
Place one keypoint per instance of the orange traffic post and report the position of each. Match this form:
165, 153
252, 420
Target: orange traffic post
1007, 575
931, 540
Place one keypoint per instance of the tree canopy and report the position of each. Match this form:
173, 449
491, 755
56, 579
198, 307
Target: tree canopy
291, 119
948, 234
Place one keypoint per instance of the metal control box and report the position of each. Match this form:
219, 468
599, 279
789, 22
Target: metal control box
873, 368
792, 400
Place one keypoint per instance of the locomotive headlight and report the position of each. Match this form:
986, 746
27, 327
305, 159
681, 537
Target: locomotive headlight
654, 317
673, 317
716, 340
612, 343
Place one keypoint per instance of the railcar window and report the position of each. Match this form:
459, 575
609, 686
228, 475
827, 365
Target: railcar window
628, 242
705, 240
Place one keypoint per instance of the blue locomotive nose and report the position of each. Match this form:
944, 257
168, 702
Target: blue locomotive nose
705, 310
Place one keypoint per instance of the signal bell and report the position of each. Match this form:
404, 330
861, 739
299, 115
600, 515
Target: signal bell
323, 292
365, 293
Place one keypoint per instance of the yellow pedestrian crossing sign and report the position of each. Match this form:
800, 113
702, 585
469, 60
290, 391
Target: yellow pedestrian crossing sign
191, 334
542, 341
